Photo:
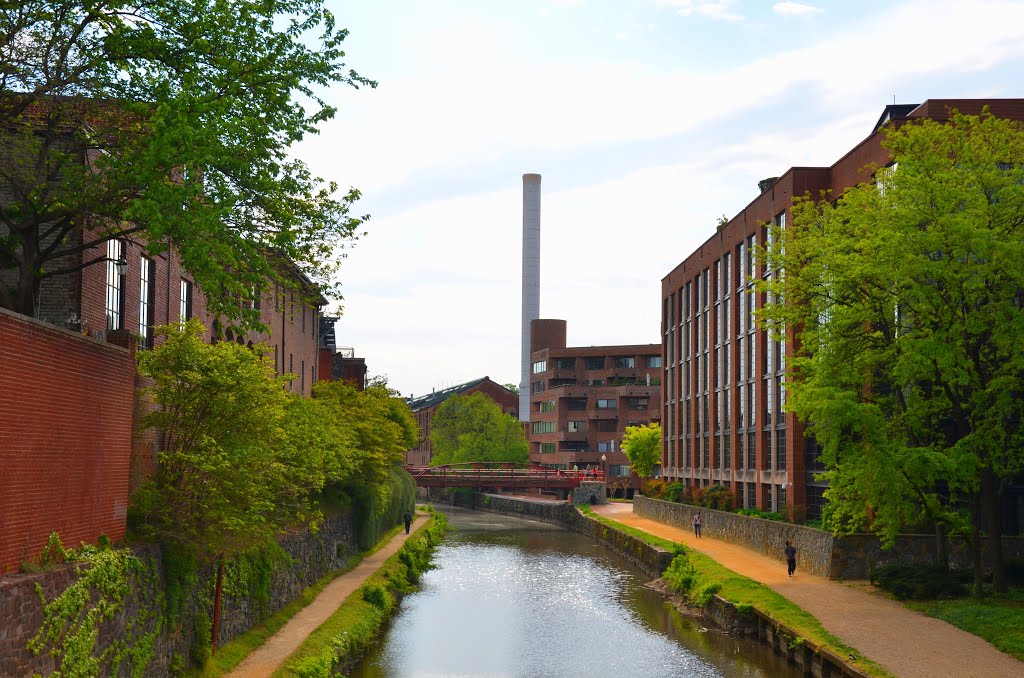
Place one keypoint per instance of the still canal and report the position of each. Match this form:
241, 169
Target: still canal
511, 598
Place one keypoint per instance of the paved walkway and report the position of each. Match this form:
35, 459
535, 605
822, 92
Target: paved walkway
265, 659
907, 643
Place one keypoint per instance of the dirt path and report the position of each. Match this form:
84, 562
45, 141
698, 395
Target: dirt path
268, 657
908, 644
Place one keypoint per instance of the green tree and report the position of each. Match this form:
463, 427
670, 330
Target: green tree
468, 428
225, 482
906, 296
642, 445
170, 120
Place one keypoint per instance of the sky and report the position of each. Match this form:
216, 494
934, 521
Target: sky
648, 119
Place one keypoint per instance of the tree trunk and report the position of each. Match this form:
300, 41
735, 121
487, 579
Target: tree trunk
979, 570
990, 507
941, 546
216, 604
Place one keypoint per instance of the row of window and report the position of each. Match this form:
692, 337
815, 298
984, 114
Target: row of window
598, 363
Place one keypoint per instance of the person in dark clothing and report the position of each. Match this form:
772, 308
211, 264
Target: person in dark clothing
697, 524
408, 520
790, 552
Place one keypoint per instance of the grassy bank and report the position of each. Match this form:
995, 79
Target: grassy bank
710, 578
1000, 621
346, 635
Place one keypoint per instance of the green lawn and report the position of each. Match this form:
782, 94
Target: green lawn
1000, 621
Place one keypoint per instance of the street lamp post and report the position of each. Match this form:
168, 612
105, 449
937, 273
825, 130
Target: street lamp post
604, 473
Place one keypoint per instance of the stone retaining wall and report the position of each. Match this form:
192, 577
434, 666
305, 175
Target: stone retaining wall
820, 553
21, 613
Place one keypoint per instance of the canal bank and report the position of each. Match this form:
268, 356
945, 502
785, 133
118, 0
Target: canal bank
520, 598
746, 621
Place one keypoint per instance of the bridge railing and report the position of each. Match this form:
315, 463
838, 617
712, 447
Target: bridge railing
503, 473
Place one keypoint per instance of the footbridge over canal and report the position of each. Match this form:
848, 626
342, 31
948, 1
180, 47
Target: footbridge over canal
501, 476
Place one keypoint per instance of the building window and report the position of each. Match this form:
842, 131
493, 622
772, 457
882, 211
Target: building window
185, 308
575, 404
654, 361
540, 366
546, 406
537, 387
116, 263
566, 363
147, 293
595, 363
625, 362
576, 426
547, 448
606, 404
542, 426
302, 372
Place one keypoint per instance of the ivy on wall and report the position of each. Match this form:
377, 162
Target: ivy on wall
105, 579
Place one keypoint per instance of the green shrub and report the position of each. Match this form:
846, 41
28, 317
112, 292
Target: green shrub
378, 596
702, 596
766, 515
202, 646
921, 581
675, 492
718, 497
680, 574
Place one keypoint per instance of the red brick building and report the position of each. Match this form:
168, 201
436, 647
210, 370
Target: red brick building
583, 398
423, 409
724, 379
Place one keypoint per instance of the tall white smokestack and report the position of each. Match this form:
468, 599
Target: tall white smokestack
531, 281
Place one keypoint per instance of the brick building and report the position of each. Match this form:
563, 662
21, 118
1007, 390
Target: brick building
423, 409
724, 379
339, 363
583, 398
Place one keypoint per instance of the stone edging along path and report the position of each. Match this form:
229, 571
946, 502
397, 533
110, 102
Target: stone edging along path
267, 658
906, 643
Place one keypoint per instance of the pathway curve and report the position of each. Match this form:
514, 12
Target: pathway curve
265, 659
907, 643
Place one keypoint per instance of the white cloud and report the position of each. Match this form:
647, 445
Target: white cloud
720, 10
790, 8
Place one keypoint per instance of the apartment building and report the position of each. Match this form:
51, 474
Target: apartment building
583, 398
724, 384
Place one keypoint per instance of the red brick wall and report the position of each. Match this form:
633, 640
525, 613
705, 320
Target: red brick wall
65, 437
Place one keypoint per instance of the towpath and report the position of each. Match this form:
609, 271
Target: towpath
907, 643
266, 659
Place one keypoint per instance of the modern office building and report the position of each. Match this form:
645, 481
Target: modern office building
724, 379
583, 398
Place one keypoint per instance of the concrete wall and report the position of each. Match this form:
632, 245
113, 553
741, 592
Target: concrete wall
65, 437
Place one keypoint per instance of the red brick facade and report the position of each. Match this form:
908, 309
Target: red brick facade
65, 437
583, 398
724, 380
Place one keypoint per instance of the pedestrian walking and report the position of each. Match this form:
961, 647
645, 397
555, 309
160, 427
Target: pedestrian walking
408, 520
697, 524
790, 552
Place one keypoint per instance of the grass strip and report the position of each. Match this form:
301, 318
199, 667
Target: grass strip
1000, 621
357, 622
745, 592
230, 654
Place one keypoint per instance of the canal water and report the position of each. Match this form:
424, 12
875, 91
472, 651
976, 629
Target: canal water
511, 598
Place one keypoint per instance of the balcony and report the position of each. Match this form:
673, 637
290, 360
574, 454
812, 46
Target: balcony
572, 435
603, 414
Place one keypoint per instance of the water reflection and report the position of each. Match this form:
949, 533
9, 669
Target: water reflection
514, 599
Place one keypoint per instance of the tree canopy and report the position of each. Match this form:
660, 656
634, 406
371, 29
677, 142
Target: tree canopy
170, 121
906, 295
642, 446
468, 428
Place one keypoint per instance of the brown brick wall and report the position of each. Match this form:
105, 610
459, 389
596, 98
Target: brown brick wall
65, 432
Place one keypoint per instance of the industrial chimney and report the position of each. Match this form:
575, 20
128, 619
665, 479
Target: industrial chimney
531, 282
